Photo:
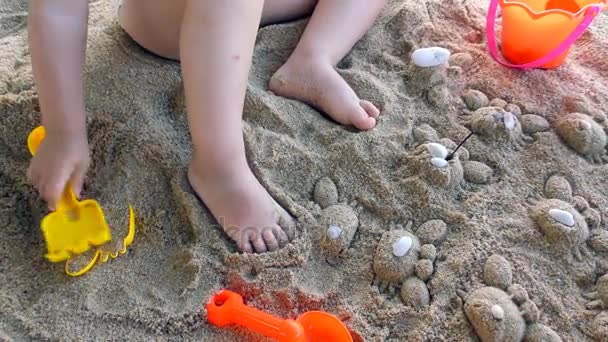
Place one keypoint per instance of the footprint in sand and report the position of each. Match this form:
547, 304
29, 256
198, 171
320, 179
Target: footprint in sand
564, 219
404, 260
502, 311
584, 135
339, 222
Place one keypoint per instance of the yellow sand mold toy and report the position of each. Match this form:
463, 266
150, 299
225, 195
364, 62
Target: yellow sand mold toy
76, 226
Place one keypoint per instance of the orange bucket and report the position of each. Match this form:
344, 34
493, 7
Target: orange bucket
539, 33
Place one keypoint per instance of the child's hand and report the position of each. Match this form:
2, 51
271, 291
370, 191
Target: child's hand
61, 158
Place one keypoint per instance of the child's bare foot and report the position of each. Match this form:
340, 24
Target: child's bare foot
244, 209
317, 83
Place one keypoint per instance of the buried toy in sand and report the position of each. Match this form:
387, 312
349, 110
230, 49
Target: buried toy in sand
77, 226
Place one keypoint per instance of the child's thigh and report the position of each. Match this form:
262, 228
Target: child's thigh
154, 24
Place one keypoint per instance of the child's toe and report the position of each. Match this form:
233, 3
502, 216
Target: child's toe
259, 245
369, 108
280, 236
362, 120
272, 244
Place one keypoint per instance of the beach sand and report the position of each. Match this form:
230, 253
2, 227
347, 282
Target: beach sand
492, 198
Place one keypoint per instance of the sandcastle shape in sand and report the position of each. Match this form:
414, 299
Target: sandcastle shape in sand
339, 222
405, 261
501, 310
582, 128
565, 219
598, 303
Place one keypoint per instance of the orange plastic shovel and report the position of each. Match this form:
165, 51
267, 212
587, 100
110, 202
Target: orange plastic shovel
227, 308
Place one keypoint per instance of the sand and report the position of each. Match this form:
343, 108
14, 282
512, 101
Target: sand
497, 205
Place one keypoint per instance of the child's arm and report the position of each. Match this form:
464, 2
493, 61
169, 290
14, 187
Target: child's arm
57, 33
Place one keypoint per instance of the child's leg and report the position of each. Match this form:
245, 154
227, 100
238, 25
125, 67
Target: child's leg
309, 74
283, 10
155, 24
215, 45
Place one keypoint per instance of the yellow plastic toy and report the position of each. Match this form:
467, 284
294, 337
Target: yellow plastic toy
103, 255
76, 226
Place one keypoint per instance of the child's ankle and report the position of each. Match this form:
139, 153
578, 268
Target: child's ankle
212, 169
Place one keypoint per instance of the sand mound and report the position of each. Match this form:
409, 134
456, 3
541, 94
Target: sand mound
490, 199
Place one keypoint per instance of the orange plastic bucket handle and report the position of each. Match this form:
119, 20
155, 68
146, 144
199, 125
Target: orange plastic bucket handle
591, 12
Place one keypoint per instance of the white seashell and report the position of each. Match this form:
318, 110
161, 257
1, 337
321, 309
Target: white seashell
585, 125
509, 120
334, 232
402, 246
439, 162
430, 57
437, 150
498, 312
562, 217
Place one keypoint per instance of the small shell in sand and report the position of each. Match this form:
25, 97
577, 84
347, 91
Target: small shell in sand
491, 324
556, 232
389, 267
339, 225
562, 216
497, 125
509, 120
430, 57
439, 162
402, 246
334, 232
437, 150
498, 312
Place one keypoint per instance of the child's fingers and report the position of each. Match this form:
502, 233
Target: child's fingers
77, 179
34, 177
52, 188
